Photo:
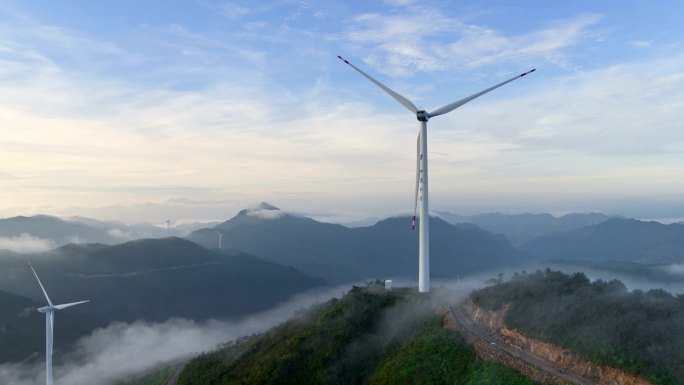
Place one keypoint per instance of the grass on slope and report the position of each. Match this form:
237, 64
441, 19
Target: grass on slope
367, 337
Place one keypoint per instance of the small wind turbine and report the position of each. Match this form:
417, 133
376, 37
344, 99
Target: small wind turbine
168, 223
220, 238
49, 327
422, 167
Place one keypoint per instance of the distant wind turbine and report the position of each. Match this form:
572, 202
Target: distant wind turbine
220, 238
49, 327
168, 223
422, 166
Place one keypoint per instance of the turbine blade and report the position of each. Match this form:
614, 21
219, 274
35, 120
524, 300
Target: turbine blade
452, 106
41, 285
66, 305
404, 102
415, 201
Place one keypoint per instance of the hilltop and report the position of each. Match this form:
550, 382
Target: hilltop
368, 336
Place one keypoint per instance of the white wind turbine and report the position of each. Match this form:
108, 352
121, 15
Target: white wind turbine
422, 166
49, 327
220, 238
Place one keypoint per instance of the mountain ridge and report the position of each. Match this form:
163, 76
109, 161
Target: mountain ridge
340, 254
617, 239
521, 228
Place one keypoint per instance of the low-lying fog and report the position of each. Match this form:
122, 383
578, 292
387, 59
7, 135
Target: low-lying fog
122, 349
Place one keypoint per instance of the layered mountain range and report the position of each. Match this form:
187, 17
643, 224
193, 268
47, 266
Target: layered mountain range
43, 232
340, 254
268, 255
522, 228
616, 239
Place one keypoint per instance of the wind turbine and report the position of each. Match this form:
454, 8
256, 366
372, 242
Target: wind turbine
422, 166
168, 223
49, 327
220, 238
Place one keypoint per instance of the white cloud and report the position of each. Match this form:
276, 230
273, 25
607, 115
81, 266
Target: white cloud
677, 269
265, 214
603, 112
117, 233
400, 46
26, 243
75, 239
399, 3
641, 43
234, 11
478, 46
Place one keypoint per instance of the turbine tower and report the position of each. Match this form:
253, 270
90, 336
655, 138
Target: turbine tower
49, 327
220, 238
422, 167
168, 223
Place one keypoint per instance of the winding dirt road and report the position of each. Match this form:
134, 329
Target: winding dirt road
176, 373
474, 330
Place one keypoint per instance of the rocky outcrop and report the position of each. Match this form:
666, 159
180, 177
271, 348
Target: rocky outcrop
562, 358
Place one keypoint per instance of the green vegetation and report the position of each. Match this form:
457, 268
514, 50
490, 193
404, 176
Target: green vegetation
640, 332
158, 377
439, 356
370, 336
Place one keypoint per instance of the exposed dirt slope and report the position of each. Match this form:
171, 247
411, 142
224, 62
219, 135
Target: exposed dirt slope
565, 359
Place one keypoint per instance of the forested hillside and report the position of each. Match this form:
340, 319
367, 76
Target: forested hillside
640, 332
367, 337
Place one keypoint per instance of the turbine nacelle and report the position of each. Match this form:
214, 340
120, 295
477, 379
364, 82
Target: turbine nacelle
46, 309
422, 116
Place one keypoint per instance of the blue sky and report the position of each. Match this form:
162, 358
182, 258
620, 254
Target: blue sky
194, 109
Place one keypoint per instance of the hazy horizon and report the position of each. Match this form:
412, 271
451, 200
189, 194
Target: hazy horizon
211, 212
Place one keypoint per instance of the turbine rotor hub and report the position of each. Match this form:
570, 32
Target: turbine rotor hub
422, 115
